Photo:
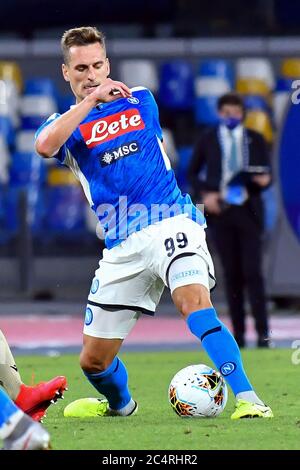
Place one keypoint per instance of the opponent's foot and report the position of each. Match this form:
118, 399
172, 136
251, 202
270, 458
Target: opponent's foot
36, 399
246, 409
91, 408
27, 435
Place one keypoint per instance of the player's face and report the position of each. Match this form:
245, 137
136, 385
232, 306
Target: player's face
86, 69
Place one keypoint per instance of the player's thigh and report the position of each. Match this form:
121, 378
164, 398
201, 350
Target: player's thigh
109, 322
124, 279
182, 243
189, 282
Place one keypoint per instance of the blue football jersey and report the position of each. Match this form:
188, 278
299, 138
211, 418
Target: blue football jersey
117, 154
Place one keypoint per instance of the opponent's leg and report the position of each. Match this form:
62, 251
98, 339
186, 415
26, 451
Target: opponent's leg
9, 375
193, 302
34, 400
17, 430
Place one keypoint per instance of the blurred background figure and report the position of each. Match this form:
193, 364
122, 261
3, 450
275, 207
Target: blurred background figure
236, 168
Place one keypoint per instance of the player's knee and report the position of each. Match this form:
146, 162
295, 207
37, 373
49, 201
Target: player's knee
191, 298
90, 363
187, 307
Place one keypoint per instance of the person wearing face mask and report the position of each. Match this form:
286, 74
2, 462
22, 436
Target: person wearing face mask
229, 169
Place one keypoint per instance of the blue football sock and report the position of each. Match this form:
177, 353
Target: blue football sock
7, 408
221, 347
112, 383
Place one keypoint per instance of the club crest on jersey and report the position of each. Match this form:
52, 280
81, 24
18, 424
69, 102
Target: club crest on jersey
133, 100
109, 127
111, 156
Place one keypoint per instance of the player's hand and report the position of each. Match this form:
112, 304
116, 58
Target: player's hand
211, 201
261, 180
110, 90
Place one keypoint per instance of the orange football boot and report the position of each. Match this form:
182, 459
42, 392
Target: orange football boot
34, 400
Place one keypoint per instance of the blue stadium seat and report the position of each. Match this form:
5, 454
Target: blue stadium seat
32, 122
35, 202
27, 168
64, 103
40, 86
217, 68
7, 130
3, 232
35, 109
65, 210
284, 84
256, 102
206, 110
176, 89
2, 193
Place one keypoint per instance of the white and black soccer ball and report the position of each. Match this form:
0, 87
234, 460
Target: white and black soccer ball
198, 391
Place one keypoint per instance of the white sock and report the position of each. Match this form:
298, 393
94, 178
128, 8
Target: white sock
249, 396
8, 427
126, 410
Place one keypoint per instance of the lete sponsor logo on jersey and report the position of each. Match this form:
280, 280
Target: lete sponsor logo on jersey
109, 127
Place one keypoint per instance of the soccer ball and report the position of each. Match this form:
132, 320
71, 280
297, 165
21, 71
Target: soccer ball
198, 391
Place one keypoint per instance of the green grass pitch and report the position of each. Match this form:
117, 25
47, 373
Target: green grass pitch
156, 426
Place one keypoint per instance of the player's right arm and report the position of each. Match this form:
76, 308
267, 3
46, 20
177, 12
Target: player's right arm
53, 136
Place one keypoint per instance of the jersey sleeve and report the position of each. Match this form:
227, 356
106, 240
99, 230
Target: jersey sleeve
155, 112
61, 154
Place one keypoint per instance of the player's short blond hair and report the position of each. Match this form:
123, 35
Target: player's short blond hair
80, 37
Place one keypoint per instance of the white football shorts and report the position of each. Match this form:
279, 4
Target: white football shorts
132, 275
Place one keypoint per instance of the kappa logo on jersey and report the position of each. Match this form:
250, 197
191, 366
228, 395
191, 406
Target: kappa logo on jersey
109, 127
109, 157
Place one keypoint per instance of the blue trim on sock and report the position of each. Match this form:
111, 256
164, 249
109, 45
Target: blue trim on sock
112, 383
221, 347
7, 408
209, 332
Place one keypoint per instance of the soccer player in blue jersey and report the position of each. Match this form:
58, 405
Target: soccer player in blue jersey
112, 141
